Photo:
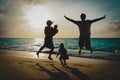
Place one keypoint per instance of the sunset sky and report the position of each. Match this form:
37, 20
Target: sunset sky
27, 18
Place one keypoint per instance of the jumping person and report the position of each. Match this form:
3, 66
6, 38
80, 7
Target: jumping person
84, 30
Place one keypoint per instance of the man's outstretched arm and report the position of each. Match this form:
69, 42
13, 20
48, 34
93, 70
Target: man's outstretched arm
70, 20
99, 18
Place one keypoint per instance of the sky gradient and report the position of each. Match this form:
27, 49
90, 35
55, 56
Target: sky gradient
27, 18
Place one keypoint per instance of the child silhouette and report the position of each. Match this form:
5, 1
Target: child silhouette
63, 55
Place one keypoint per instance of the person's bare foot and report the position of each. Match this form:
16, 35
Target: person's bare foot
91, 51
50, 58
79, 54
37, 54
66, 66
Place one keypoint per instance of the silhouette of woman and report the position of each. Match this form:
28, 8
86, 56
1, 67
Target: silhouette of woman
48, 42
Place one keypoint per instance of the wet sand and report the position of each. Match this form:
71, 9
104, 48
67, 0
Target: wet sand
20, 65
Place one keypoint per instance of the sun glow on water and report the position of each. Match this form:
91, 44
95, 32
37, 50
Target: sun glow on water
38, 41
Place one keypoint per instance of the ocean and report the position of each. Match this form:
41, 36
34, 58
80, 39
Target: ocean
102, 46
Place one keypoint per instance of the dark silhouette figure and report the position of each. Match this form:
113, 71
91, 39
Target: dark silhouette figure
63, 55
84, 29
48, 42
55, 30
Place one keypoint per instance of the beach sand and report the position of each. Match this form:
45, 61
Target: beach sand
21, 65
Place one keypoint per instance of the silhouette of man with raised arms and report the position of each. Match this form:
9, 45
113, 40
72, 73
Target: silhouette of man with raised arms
84, 29
48, 42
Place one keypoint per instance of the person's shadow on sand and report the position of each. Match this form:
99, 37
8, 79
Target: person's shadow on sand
55, 75
79, 74
61, 75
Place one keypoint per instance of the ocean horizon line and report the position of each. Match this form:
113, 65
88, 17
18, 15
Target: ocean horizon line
60, 38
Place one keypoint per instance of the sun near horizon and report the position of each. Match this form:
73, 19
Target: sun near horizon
37, 16
27, 19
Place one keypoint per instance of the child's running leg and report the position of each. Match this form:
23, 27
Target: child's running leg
64, 62
61, 60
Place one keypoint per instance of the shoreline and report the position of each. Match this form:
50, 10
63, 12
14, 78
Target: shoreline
85, 54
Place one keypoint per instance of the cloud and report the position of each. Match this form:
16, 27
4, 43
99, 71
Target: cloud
12, 18
112, 26
33, 2
111, 29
